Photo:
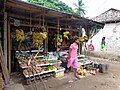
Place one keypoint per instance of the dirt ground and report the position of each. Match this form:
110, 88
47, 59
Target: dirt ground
100, 81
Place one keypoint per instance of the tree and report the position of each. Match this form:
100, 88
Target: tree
80, 11
58, 5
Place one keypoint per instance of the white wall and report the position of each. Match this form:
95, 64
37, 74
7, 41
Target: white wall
112, 34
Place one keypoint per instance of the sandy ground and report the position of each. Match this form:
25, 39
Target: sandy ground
100, 81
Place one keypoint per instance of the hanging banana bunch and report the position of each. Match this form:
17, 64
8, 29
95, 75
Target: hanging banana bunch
66, 34
20, 36
74, 37
44, 35
59, 39
38, 38
84, 39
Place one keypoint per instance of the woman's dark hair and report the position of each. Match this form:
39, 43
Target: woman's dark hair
103, 38
75, 39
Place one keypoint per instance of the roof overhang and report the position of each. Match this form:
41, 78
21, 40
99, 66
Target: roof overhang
24, 9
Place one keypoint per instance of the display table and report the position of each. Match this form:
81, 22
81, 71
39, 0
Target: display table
45, 72
42, 65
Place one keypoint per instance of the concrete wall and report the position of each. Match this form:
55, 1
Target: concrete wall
112, 34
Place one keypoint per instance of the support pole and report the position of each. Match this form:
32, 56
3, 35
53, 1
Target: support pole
80, 47
5, 37
58, 30
9, 48
3, 66
46, 41
5, 33
79, 43
30, 21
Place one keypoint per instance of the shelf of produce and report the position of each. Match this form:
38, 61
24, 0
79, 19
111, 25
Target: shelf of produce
45, 72
36, 65
55, 63
79, 56
40, 56
23, 67
31, 51
43, 64
52, 59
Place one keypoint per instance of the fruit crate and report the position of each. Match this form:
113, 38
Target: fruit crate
59, 73
37, 76
29, 80
45, 72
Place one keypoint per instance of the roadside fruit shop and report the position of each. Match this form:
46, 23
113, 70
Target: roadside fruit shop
34, 35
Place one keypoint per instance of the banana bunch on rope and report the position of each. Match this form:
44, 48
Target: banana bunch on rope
38, 38
44, 35
66, 34
59, 39
74, 37
84, 39
20, 35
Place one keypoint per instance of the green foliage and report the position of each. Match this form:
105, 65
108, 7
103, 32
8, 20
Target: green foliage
58, 5
80, 11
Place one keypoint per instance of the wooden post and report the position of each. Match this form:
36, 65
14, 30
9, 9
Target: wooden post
80, 46
5, 37
58, 31
30, 22
79, 43
3, 65
9, 48
46, 41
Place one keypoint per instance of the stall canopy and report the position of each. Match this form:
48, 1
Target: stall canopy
23, 10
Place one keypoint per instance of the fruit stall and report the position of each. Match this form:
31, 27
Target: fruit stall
38, 67
36, 64
35, 35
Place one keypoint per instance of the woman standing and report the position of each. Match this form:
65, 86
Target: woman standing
72, 57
